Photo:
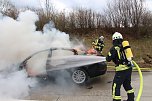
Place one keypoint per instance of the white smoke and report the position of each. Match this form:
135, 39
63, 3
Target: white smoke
15, 85
18, 40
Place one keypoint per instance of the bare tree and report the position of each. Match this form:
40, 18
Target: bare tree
46, 14
80, 18
99, 20
137, 12
71, 21
8, 9
146, 24
125, 12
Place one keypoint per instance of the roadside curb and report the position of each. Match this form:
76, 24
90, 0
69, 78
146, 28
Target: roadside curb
132, 71
112, 69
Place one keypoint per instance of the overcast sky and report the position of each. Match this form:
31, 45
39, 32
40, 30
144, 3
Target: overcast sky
69, 4
97, 5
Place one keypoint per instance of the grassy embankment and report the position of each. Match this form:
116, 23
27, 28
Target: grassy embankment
140, 47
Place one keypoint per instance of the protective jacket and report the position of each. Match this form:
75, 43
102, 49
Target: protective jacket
117, 55
123, 72
98, 45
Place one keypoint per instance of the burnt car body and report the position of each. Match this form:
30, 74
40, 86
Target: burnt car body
79, 74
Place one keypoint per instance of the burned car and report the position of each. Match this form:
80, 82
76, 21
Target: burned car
51, 62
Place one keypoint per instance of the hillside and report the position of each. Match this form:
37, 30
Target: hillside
141, 48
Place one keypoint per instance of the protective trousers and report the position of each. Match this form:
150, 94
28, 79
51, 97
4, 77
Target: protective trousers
122, 78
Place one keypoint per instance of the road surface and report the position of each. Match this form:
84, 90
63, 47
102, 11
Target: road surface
101, 91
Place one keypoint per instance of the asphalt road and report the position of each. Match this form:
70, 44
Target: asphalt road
101, 91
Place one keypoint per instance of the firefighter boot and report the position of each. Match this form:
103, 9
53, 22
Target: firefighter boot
130, 97
116, 100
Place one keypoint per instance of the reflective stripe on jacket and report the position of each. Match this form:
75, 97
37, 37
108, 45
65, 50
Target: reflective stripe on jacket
117, 55
98, 44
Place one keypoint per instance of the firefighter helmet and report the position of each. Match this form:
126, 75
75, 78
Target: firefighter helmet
117, 35
101, 38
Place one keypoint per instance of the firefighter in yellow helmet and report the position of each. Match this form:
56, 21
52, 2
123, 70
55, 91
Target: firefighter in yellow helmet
98, 45
123, 69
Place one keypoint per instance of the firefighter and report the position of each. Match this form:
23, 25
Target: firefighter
123, 69
98, 45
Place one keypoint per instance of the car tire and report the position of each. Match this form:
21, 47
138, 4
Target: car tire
79, 76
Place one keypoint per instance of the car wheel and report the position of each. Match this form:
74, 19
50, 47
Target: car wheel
79, 76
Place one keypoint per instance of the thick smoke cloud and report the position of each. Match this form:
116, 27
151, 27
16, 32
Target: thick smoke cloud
19, 39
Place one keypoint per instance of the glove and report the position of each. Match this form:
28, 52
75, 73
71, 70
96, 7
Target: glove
75, 51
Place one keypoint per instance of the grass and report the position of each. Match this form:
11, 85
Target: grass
140, 47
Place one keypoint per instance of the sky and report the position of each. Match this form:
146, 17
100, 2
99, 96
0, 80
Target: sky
149, 4
97, 5
60, 5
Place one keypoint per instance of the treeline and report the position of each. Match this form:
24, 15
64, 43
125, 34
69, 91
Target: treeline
126, 16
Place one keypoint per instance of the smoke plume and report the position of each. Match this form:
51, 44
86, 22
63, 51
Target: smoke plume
18, 40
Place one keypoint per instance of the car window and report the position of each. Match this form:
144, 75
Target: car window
56, 57
37, 64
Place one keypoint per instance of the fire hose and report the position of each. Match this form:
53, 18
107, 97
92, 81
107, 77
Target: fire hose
141, 81
129, 56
